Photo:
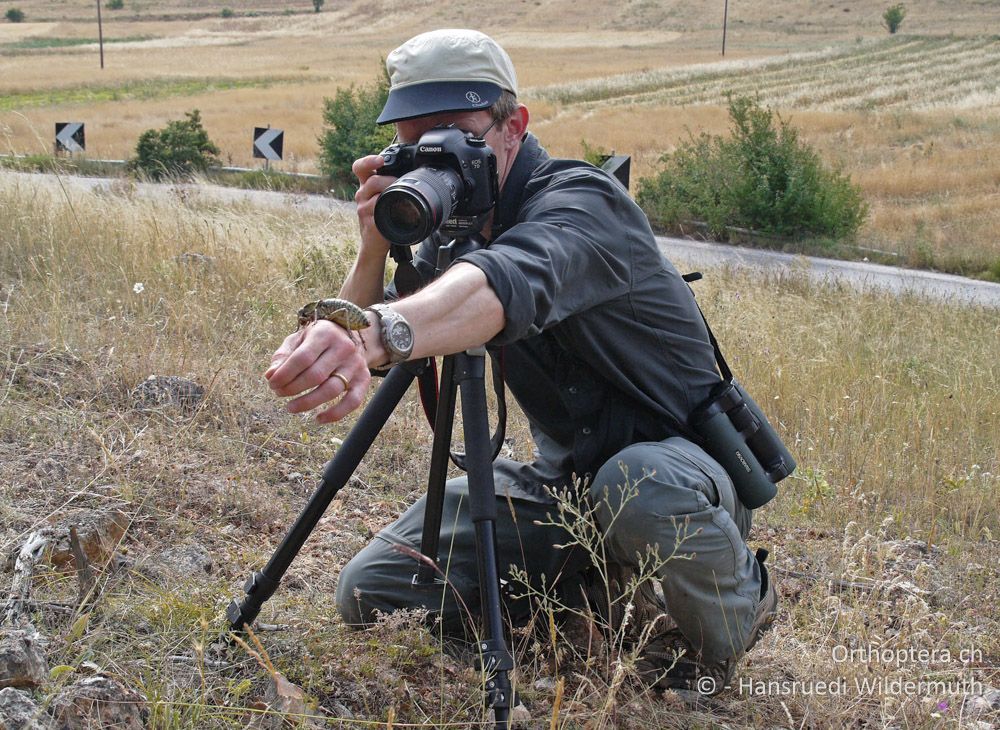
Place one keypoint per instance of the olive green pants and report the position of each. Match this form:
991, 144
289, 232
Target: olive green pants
667, 494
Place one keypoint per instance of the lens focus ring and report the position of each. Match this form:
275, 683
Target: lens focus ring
416, 205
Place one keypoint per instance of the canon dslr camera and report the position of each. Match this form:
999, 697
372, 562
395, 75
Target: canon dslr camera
447, 181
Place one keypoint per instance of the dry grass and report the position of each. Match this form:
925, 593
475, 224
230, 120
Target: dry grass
912, 73
911, 118
890, 405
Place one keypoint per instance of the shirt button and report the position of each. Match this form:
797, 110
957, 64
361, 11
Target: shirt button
585, 430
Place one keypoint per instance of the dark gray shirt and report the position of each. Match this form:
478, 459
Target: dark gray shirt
603, 343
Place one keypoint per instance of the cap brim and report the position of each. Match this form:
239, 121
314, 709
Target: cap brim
436, 97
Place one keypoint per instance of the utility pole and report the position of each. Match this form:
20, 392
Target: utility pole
100, 32
725, 21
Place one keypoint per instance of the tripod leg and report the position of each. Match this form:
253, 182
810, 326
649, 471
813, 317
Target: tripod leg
262, 584
443, 423
470, 369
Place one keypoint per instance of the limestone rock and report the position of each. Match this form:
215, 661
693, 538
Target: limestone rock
187, 560
520, 716
993, 697
22, 659
99, 702
545, 684
158, 391
290, 701
977, 706
99, 533
19, 712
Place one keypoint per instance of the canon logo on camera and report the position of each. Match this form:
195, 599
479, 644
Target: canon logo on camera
428, 148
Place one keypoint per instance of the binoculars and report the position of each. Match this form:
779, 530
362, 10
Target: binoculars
736, 433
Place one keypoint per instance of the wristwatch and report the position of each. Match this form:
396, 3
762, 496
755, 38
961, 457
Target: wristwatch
397, 335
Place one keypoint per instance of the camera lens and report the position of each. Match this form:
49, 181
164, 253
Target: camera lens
405, 214
416, 205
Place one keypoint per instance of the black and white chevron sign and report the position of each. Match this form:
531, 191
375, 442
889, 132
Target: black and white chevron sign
268, 142
69, 136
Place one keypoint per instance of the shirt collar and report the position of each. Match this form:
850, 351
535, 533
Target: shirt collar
529, 157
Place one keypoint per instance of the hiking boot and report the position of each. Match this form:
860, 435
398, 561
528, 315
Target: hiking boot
669, 662
608, 602
767, 609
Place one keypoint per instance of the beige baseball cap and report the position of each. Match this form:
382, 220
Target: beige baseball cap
446, 70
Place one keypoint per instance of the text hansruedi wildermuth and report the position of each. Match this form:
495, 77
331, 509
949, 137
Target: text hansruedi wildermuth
932, 659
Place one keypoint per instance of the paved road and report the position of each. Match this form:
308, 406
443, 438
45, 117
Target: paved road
687, 255
861, 275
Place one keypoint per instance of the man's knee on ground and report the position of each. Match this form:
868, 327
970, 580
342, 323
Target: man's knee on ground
349, 595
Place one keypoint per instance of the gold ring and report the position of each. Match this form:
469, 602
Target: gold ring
344, 380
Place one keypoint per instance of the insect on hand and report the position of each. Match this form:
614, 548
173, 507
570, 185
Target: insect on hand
339, 311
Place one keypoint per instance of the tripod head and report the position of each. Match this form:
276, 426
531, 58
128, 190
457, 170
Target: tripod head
461, 245
407, 279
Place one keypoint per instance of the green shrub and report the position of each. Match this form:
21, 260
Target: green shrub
993, 272
114, 4
227, 13
317, 4
893, 16
14, 15
594, 154
762, 178
350, 131
178, 150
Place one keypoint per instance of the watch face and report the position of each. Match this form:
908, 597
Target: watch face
401, 337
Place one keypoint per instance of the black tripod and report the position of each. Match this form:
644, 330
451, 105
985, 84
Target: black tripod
465, 371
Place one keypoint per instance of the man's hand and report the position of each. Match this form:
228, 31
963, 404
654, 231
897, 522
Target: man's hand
371, 186
305, 364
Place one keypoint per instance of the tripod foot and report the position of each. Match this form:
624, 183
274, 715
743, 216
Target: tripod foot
495, 661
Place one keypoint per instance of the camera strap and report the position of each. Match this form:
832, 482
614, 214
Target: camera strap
724, 370
735, 432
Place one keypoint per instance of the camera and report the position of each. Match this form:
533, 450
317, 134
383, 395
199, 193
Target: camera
447, 181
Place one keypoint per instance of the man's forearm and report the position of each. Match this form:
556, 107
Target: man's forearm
365, 283
457, 311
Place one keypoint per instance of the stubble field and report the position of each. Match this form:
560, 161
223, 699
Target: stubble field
887, 538
912, 118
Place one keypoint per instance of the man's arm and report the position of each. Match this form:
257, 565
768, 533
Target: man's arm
457, 311
365, 282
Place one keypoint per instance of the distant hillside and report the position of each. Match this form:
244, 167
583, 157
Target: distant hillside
766, 21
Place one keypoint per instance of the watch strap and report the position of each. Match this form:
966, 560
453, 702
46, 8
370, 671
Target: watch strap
388, 317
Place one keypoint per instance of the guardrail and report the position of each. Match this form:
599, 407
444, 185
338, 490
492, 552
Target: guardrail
122, 163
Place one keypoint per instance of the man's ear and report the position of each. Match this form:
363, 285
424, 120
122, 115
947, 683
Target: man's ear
515, 126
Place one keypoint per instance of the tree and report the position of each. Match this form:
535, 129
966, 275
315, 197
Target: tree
14, 15
178, 150
350, 129
762, 178
317, 4
893, 16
